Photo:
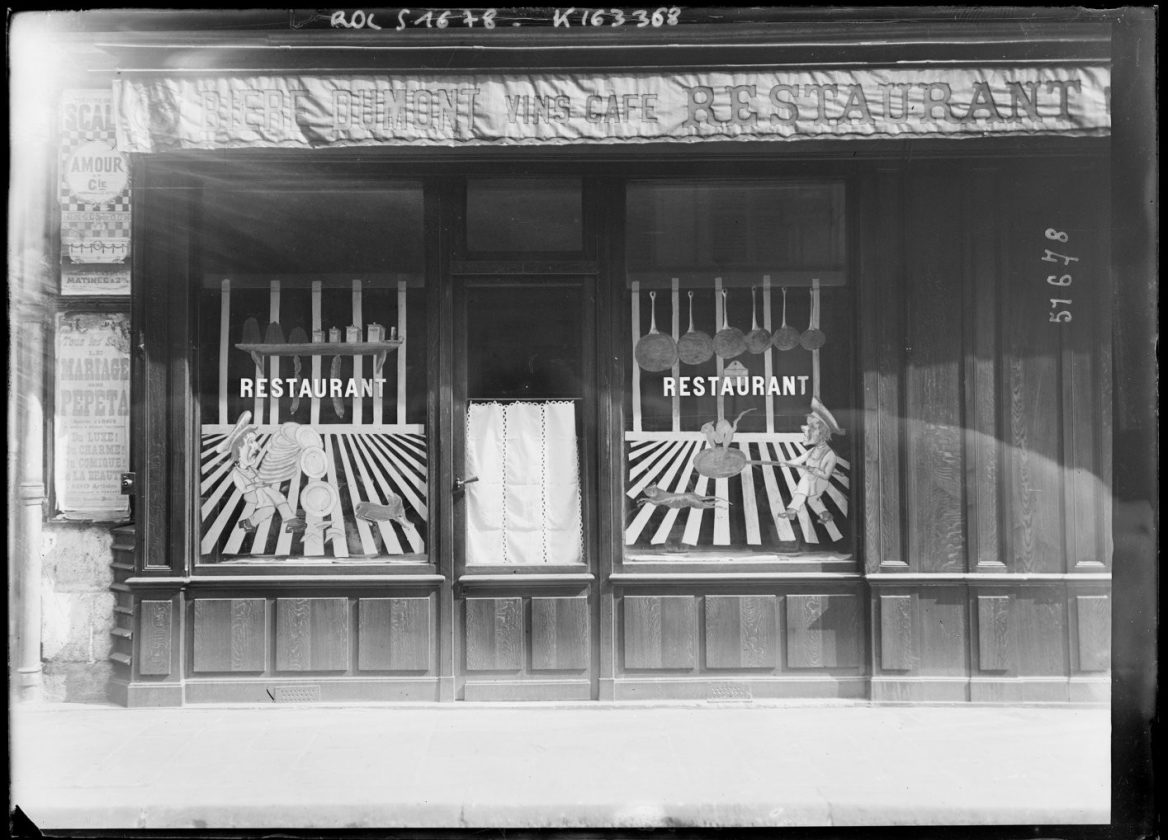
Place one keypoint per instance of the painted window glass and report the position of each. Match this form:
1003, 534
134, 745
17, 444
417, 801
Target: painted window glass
312, 375
739, 437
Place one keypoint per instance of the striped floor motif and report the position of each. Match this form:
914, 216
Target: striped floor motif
755, 495
363, 466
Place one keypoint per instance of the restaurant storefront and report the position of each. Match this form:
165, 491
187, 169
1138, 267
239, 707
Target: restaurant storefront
615, 365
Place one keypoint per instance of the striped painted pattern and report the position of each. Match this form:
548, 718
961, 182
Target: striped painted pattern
364, 466
666, 459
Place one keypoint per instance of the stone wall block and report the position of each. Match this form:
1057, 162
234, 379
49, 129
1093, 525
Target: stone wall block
77, 559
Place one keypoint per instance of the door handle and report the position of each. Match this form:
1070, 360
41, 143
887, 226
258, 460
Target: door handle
460, 483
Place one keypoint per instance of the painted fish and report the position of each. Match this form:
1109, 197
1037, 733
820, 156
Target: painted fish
394, 511
297, 336
335, 373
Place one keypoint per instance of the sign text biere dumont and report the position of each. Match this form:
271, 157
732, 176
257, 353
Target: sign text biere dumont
320, 111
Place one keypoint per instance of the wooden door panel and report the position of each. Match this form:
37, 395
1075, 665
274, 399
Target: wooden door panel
559, 634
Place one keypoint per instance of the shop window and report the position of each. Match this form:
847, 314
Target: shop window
524, 216
739, 434
312, 375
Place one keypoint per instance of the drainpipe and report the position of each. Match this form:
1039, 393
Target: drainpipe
29, 379
34, 94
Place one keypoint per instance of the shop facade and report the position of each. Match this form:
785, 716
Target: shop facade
706, 360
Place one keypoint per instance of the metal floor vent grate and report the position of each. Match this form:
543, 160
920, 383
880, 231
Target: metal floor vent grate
729, 692
296, 694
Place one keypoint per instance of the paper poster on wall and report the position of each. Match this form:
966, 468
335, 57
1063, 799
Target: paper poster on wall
91, 428
94, 189
76, 280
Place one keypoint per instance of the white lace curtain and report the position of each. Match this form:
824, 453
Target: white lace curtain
525, 507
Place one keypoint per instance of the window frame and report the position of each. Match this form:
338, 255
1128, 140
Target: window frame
631, 565
167, 409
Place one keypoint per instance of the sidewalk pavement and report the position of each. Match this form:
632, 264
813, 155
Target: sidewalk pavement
565, 765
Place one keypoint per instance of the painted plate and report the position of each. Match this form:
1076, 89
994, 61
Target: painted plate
318, 498
309, 437
313, 462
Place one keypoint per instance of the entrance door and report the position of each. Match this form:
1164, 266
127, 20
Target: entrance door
525, 559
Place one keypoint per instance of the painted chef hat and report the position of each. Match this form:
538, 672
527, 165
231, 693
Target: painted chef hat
820, 410
242, 427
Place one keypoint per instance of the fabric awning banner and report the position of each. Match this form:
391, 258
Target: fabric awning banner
157, 114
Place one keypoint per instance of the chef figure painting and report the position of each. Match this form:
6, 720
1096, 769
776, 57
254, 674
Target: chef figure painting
816, 465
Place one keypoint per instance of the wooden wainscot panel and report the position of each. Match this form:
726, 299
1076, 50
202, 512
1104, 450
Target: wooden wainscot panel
559, 634
740, 631
942, 629
1039, 617
994, 650
494, 634
312, 634
660, 631
393, 634
897, 639
230, 634
1093, 617
155, 631
823, 631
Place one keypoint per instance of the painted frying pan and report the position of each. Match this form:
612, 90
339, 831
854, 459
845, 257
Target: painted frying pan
656, 351
729, 342
785, 338
758, 339
720, 462
813, 337
695, 347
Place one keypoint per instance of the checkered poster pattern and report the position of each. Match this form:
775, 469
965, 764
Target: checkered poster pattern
94, 185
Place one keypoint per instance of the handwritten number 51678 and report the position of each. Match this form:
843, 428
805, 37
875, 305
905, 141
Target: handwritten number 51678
1059, 315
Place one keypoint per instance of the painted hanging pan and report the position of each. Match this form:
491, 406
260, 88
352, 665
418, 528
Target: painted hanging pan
729, 342
656, 351
695, 347
786, 338
813, 338
758, 339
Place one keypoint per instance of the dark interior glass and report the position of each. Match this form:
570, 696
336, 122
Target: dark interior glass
307, 230
524, 215
524, 342
685, 227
